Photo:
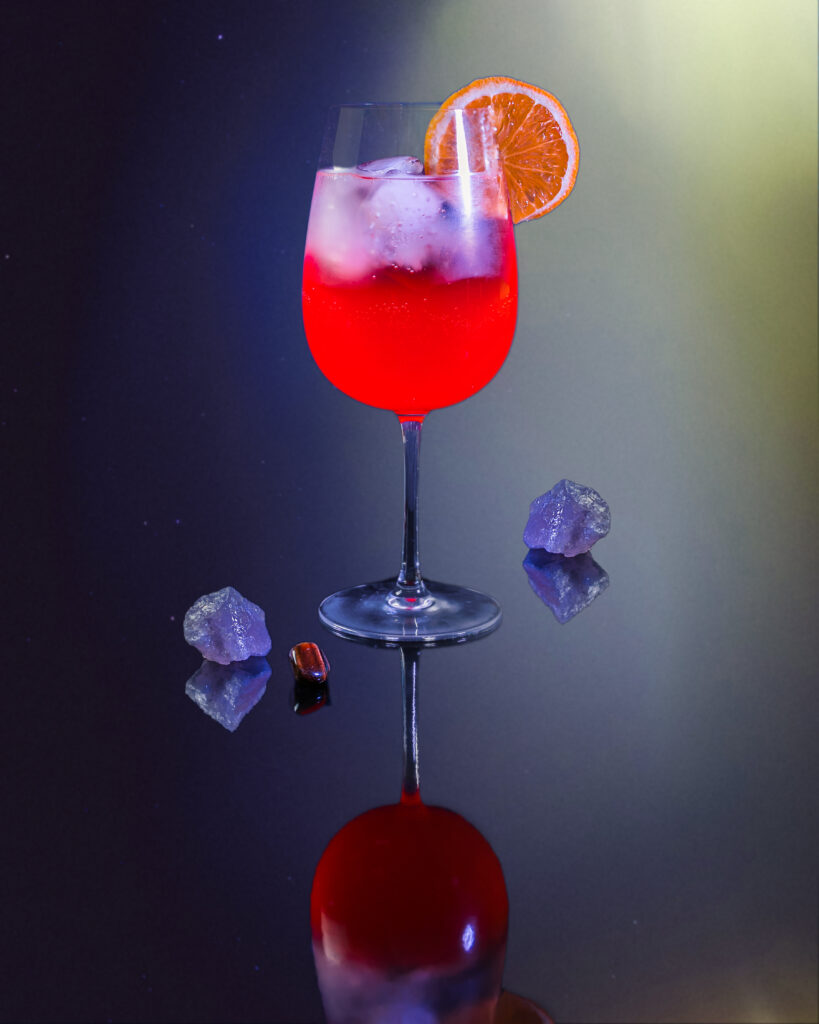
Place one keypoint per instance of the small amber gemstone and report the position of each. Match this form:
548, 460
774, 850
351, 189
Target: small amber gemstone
309, 663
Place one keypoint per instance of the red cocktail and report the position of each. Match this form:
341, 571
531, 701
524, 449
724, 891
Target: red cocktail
410, 301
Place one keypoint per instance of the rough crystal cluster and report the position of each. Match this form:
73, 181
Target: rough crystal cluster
226, 627
567, 520
566, 585
228, 692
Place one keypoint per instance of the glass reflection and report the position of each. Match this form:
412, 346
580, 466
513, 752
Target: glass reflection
409, 909
228, 692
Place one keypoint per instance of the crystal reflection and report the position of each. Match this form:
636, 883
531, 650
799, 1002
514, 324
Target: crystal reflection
310, 695
228, 692
565, 585
409, 909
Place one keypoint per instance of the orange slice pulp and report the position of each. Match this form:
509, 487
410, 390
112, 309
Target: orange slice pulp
538, 146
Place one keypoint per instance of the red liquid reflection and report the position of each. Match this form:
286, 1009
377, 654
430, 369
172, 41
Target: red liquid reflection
409, 915
409, 911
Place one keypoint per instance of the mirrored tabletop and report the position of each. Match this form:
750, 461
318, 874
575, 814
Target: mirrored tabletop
635, 742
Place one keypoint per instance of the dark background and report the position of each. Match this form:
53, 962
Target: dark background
647, 773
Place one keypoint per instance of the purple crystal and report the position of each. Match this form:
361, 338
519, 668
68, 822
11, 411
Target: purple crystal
567, 520
566, 585
228, 692
226, 627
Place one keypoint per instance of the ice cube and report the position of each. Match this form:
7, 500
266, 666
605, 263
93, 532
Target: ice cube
479, 251
390, 165
335, 234
408, 223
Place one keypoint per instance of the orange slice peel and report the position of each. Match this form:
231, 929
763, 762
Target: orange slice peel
538, 147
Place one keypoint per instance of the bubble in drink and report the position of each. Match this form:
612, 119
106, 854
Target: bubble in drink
334, 230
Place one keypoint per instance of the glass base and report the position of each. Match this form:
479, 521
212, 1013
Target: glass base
446, 614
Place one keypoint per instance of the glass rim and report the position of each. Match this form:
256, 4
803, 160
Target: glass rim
353, 130
385, 103
434, 105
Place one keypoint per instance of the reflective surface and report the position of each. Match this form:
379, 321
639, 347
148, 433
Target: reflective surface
647, 772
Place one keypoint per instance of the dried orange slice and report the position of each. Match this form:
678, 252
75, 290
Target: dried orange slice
537, 143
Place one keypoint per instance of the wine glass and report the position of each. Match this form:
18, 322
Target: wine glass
410, 301
409, 908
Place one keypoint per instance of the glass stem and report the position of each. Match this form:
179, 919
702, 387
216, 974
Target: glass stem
411, 785
410, 586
